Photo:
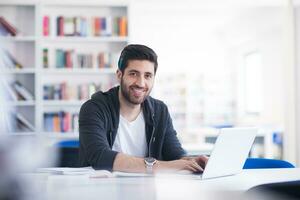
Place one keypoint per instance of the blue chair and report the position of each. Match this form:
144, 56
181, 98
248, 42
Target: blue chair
68, 151
264, 163
68, 143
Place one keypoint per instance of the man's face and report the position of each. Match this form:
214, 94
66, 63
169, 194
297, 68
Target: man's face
137, 80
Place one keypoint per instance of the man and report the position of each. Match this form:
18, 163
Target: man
124, 129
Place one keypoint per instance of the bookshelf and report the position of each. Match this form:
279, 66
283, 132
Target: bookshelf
85, 38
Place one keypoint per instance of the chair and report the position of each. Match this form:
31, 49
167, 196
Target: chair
263, 163
68, 151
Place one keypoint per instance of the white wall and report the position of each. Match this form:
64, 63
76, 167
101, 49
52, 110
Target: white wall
203, 36
297, 76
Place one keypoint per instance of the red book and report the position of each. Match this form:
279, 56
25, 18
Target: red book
60, 26
101, 63
46, 25
97, 26
67, 122
63, 87
10, 28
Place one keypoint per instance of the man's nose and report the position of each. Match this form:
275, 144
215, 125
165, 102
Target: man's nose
141, 81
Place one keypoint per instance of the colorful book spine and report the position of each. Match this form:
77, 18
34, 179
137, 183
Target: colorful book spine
95, 26
46, 26
45, 58
60, 26
71, 59
64, 91
61, 121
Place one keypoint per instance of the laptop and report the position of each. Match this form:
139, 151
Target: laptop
230, 152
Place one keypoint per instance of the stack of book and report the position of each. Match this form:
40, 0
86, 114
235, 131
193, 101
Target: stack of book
72, 59
62, 91
6, 28
19, 123
17, 92
61, 122
23, 125
82, 26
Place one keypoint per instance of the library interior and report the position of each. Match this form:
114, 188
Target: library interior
221, 65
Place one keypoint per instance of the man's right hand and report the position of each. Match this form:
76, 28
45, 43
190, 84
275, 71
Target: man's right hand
177, 165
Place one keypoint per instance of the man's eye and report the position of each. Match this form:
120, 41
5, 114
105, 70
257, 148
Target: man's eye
148, 76
132, 74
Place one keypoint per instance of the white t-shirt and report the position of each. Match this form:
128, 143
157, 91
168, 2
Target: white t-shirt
131, 137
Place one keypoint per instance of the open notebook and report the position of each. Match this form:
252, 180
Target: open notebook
88, 171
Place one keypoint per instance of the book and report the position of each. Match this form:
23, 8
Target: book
123, 26
9, 61
23, 93
46, 28
89, 171
60, 26
95, 26
22, 121
61, 121
4, 24
45, 58
69, 26
60, 58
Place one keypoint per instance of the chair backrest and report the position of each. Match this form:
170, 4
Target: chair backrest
68, 143
68, 153
261, 163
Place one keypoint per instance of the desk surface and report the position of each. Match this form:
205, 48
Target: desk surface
70, 187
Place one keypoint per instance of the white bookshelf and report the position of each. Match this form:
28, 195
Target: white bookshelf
28, 47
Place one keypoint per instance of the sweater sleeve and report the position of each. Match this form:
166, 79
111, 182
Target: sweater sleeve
172, 149
94, 150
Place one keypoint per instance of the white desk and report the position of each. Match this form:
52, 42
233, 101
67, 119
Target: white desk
69, 187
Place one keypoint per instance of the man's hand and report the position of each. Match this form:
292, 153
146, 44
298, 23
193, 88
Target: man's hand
200, 160
178, 165
128, 163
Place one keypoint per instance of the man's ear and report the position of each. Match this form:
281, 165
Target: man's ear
119, 75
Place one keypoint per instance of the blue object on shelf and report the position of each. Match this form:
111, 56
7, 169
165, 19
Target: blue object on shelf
263, 163
277, 138
68, 143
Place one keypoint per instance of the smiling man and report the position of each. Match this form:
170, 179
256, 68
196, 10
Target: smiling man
124, 129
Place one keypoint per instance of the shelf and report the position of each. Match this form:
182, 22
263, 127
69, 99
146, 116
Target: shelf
63, 102
72, 39
79, 71
93, 3
21, 103
18, 3
19, 71
67, 135
28, 49
18, 38
22, 134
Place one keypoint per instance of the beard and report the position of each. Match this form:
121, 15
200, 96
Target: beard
131, 95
